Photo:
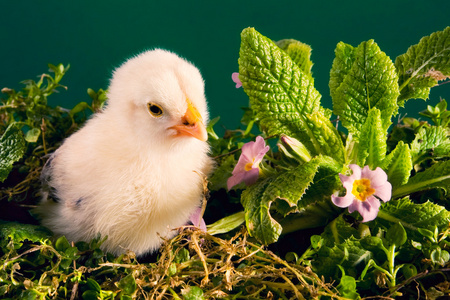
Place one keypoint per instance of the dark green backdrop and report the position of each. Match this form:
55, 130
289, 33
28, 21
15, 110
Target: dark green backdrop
96, 36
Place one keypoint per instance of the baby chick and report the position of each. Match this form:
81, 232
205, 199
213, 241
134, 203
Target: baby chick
135, 170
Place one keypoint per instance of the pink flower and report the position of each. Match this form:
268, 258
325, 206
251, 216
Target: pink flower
247, 168
364, 189
235, 77
197, 220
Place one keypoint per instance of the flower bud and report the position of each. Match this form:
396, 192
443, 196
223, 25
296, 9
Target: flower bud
293, 148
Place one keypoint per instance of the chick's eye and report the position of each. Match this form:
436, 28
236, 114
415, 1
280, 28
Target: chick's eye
155, 110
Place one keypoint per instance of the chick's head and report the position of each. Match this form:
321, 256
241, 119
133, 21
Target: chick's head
158, 94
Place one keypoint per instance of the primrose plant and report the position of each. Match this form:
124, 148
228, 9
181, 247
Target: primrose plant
319, 169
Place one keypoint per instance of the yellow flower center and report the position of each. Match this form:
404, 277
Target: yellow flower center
362, 189
248, 166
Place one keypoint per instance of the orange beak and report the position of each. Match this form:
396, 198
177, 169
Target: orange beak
191, 124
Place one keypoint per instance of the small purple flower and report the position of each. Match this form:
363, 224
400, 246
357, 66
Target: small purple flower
235, 77
247, 168
197, 220
364, 188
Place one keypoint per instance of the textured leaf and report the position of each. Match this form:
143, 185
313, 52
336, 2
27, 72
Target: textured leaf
337, 231
362, 78
127, 284
437, 176
423, 65
413, 216
17, 233
299, 52
398, 165
396, 235
287, 187
12, 148
372, 144
342, 65
281, 94
326, 135
350, 255
430, 141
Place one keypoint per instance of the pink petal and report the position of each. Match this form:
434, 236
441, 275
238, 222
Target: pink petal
342, 201
260, 156
347, 182
378, 181
356, 171
254, 149
250, 177
235, 78
377, 177
235, 179
370, 211
374, 202
240, 166
384, 192
355, 206
197, 220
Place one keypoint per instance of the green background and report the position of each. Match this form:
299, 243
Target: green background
97, 36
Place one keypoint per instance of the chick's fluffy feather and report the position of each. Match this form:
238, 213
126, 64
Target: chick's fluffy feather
126, 174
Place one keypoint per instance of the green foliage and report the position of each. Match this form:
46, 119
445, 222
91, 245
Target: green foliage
30, 129
258, 198
430, 143
299, 53
408, 240
423, 65
437, 176
372, 145
438, 114
283, 96
12, 148
398, 165
363, 78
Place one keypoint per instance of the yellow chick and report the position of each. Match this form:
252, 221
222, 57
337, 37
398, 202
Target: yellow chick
134, 172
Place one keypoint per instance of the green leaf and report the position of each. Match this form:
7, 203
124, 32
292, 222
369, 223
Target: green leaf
342, 65
439, 256
32, 135
81, 106
192, 293
372, 143
62, 244
93, 285
219, 178
17, 233
338, 230
347, 287
326, 135
423, 65
396, 235
227, 223
398, 165
360, 79
437, 176
413, 216
91, 295
431, 141
30, 295
128, 284
299, 52
282, 95
12, 149
350, 255
286, 189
